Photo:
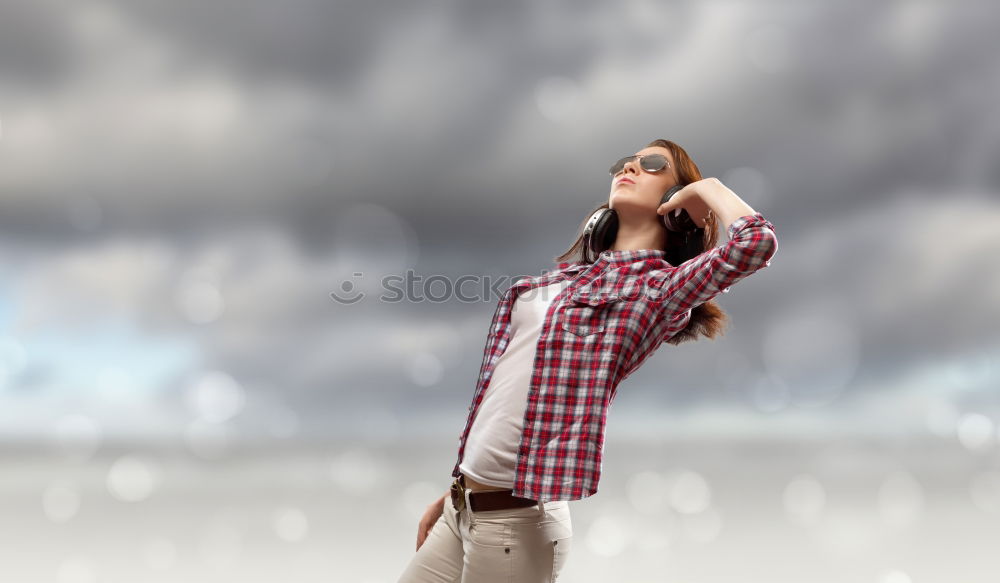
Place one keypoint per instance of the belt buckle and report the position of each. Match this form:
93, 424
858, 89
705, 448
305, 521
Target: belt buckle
458, 494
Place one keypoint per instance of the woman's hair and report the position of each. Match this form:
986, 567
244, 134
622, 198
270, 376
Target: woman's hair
707, 319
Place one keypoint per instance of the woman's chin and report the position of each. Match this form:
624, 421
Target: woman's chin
628, 204
621, 198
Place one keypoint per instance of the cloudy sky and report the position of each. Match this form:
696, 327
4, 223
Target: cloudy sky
183, 185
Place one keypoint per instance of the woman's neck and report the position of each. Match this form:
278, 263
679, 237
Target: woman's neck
639, 234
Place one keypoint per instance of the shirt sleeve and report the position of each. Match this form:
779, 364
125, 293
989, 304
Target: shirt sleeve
752, 243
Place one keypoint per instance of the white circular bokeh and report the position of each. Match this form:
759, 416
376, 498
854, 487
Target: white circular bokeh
355, 471
804, 499
76, 569
61, 501
290, 523
608, 535
901, 499
688, 492
221, 545
648, 492
985, 491
425, 369
215, 397
975, 431
704, 527
200, 302
133, 478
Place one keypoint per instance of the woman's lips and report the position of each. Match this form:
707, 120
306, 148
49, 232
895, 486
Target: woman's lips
625, 181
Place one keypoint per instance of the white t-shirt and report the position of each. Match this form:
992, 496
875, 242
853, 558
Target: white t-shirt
491, 446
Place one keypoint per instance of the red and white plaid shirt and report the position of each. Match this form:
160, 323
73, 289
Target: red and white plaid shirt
613, 315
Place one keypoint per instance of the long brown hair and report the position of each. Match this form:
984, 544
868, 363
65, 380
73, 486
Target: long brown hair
708, 319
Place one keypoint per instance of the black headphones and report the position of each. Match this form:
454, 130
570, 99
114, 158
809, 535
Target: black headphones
684, 235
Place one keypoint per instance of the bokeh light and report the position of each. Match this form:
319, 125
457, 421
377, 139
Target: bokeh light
648, 491
804, 500
901, 499
985, 491
290, 523
608, 535
689, 492
355, 471
133, 478
221, 545
215, 397
975, 431
704, 527
61, 501
77, 569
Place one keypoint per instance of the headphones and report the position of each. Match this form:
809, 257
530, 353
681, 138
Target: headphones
684, 235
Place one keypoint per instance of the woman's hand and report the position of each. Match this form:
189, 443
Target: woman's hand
691, 199
430, 517
708, 195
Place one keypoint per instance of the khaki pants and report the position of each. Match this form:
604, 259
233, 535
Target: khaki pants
523, 545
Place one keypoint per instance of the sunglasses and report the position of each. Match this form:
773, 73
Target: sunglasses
648, 162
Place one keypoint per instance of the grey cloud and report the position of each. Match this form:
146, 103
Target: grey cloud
251, 131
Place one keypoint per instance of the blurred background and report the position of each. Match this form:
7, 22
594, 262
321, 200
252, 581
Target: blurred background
183, 185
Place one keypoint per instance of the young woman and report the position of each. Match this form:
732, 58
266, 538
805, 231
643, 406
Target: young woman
559, 345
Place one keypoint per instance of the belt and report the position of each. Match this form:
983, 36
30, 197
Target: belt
486, 500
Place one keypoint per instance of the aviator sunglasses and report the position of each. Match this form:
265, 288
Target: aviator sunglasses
648, 162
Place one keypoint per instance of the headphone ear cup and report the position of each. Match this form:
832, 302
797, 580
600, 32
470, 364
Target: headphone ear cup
684, 246
694, 242
599, 234
677, 220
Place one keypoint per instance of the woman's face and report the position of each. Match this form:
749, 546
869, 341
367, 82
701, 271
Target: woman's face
637, 188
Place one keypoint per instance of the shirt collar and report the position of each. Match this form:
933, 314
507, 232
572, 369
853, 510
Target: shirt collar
616, 258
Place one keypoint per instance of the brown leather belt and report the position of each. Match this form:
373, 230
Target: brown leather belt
486, 500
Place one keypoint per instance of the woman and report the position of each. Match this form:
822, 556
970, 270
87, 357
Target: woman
553, 361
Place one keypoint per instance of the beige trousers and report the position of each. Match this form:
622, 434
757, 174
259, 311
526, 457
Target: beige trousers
526, 545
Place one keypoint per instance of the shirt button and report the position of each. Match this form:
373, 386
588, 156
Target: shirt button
766, 263
725, 290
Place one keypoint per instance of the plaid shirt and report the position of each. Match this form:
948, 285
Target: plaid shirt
613, 315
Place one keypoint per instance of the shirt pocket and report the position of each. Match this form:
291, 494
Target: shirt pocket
586, 314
